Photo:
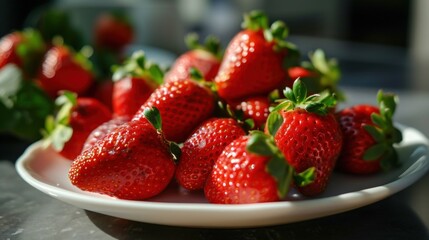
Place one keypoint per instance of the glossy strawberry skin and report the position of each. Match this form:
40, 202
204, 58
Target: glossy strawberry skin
129, 94
310, 140
202, 148
240, 177
112, 32
60, 71
356, 139
131, 162
102, 130
250, 67
8, 45
87, 115
206, 63
255, 108
183, 105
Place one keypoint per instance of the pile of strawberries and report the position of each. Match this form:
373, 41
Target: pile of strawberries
244, 126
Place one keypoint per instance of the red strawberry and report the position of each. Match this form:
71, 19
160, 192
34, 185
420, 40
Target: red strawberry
205, 58
318, 74
250, 169
202, 148
113, 31
63, 69
103, 92
24, 49
131, 162
253, 61
76, 119
134, 83
183, 106
369, 136
255, 108
308, 134
102, 130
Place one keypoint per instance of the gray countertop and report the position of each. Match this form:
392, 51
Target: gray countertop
26, 213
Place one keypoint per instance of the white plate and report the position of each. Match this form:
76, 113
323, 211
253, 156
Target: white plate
46, 171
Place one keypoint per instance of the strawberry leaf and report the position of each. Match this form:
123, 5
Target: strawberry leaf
175, 151
374, 152
375, 133
282, 172
259, 144
274, 121
156, 73
255, 20
299, 90
390, 159
60, 135
305, 177
378, 120
154, 117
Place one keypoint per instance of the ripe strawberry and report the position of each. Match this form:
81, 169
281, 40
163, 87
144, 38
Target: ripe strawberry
102, 130
251, 169
63, 69
308, 134
131, 162
134, 83
183, 106
75, 120
24, 49
103, 92
205, 58
253, 61
202, 148
318, 74
113, 31
369, 136
255, 108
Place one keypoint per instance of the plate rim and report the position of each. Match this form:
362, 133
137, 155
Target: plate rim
377, 193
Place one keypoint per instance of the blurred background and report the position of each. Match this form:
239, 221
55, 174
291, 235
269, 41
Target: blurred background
379, 43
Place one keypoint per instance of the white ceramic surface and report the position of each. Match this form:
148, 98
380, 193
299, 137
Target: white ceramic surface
47, 171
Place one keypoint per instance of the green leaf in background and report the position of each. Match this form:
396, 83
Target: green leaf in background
23, 105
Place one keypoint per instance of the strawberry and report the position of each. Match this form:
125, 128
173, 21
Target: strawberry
134, 82
131, 162
183, 106
113, 31
255, 108
319, 73
202, 148
63, 69
75, 120
251, 169
103, 92
205, 58
102, 130
369, 136
24, 49
308, 134
253, 60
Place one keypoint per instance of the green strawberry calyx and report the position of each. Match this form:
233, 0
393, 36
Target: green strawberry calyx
138, 66
225, 110
277, 32
211, 44
57, 130
262, 144
328, 71
384, 132
154, 117
31, 50
296, 97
